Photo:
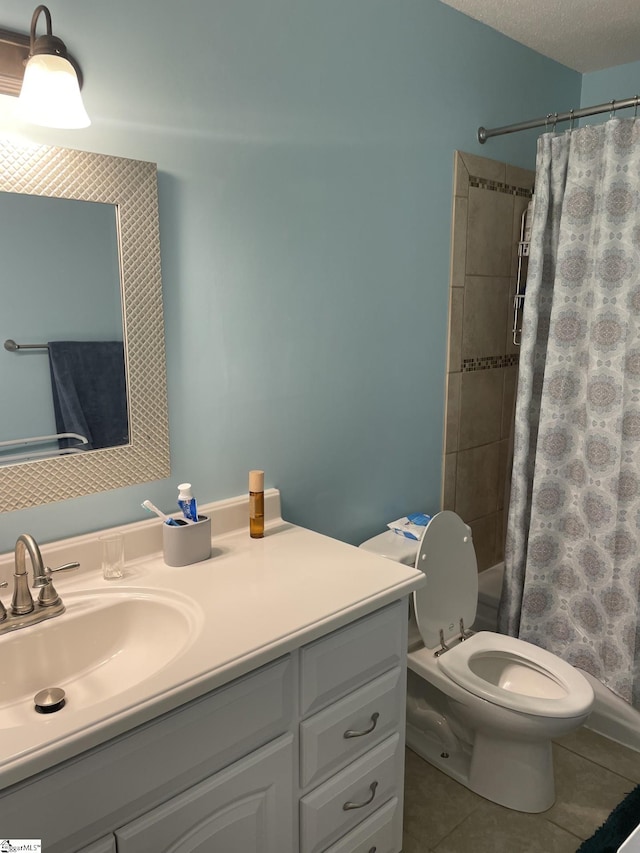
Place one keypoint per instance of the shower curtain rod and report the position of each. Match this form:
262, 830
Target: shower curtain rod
551, 119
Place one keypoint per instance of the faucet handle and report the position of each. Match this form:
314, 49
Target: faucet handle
63, 568
45, 580
48, 595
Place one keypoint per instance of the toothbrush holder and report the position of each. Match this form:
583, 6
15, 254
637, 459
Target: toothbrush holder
187, 543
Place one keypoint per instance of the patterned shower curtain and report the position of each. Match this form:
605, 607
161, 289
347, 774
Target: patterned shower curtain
572, 559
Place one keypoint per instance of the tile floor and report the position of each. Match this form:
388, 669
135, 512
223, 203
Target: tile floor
593, 775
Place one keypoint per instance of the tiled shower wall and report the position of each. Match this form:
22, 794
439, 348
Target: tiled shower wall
489, 200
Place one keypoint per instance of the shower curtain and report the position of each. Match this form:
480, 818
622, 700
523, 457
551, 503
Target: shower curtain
572, 556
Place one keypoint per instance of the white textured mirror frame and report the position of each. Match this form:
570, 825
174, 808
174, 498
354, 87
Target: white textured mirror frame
130, 185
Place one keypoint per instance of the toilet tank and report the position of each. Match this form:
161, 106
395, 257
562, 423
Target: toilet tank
400, 549
403, 550
394, 547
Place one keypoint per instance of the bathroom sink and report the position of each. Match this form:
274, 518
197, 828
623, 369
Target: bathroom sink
101, 646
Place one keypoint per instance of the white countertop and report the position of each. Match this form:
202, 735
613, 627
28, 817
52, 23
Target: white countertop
252, 602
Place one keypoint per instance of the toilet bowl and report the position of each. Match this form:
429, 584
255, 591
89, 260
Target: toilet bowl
482, 707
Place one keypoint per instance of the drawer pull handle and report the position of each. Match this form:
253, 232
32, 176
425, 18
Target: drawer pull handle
372, 788
374, 723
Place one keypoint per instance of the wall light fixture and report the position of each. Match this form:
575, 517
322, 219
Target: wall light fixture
43, 75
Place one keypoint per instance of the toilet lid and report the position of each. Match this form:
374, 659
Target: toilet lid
448, 559
518, 675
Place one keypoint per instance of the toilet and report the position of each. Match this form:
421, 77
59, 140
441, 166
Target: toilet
482, 707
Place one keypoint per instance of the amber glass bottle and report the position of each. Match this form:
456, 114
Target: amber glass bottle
256, 504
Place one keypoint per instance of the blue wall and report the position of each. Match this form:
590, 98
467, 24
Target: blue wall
620, 82
305, 157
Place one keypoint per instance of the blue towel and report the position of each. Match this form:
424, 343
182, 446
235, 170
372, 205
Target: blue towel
89, 391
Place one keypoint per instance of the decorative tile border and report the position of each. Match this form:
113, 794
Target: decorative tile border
499, 187
489, 362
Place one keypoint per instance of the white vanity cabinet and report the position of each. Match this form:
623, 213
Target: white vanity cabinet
302, 755
98, 792
352, 703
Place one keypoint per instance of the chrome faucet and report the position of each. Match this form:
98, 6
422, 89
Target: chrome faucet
24, 611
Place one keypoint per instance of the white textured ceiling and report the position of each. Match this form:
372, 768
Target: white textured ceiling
586, 35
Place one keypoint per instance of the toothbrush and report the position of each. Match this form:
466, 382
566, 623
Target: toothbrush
166, 518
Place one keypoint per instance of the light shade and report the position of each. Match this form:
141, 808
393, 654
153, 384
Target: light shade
50, 94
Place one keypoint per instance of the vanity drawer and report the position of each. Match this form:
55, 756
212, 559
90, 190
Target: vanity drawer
352, 656
380, 833
369, 714
365, 784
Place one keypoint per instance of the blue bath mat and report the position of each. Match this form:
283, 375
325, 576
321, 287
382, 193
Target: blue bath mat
616, 828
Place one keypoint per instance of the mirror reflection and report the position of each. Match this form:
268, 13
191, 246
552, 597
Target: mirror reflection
63, 386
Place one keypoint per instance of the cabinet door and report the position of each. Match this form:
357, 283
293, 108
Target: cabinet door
248, 807
105, 845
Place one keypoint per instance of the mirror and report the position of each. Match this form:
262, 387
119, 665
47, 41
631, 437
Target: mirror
123, 264
68, 290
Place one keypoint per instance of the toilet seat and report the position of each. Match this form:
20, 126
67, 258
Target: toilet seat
517, 675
